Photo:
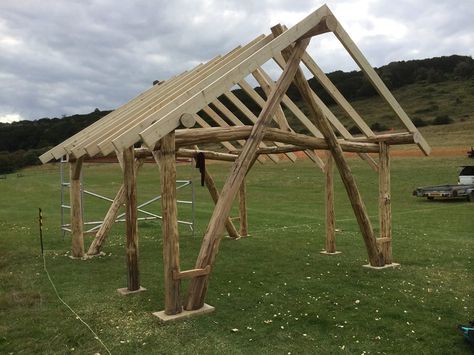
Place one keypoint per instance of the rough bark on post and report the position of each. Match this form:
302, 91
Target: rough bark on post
167, 162
330, 245
211, 186
129, 181
77, 227
243, 210
210, 245
385, 212
348, 180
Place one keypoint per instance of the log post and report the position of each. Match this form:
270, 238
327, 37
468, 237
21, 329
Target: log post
385, 212
348, 180
167, 162
330, 245
129, 181
211, 186
210, 244
77, 226
243, 210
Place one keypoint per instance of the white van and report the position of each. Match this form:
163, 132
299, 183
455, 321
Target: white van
466, 176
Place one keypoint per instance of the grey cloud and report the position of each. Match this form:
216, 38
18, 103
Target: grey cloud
78, 55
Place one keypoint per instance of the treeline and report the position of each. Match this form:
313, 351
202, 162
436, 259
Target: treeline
354, 85
21, 142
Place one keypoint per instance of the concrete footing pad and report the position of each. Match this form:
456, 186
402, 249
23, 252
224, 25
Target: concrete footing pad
165, 318
387, 266
125, 291
324, 252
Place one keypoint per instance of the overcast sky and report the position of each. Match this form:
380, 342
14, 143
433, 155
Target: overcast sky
65, 57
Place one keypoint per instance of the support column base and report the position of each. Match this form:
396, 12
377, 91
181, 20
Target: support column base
125, 291
77, 257
239, 237
386, 266
165, 318
324, 252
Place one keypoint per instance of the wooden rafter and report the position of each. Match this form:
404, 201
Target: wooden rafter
157, 111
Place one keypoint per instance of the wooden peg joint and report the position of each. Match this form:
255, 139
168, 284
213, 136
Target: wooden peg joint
189, 274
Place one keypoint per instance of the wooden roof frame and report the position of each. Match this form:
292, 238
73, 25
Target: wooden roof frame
157, 111
197, 97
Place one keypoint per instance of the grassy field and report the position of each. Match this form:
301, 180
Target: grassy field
273, 292
421, 101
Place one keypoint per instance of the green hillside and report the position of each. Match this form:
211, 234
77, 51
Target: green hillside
434, 92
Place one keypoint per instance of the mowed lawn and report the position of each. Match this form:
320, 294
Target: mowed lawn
274, 292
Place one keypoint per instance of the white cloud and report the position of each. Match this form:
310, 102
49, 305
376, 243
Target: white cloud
10, 117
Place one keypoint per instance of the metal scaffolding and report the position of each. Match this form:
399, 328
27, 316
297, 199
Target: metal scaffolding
93, 226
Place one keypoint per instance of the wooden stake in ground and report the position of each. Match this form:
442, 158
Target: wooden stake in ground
167, 162
129, 181
348, 180
385, 212
210, 245
77, 226
330, 246
243, 210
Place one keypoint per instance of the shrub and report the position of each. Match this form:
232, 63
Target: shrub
442, 119
378, 127
419, 122
354, 130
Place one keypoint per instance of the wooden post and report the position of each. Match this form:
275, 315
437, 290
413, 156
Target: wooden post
210, 245
129, 180
167, 158
348, 180
330, 245
243, 210
385, 212
211, 186
77, 227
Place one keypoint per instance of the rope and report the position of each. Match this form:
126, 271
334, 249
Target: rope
96, 337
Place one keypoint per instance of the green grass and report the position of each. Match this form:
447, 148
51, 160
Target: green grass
275, 287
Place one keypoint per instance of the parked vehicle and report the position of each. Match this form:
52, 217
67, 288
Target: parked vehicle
464, 189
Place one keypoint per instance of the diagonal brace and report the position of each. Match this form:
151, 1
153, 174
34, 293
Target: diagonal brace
210, 245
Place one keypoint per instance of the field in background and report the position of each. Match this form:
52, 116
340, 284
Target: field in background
273, 292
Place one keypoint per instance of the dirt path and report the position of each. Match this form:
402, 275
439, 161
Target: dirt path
436, 152
414, 152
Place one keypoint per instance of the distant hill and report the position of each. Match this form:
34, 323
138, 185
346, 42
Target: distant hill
22, 142
432, 91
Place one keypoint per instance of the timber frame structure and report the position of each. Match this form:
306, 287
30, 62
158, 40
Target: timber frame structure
194, 98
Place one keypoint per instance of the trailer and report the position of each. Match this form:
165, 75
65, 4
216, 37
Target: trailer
464, 189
